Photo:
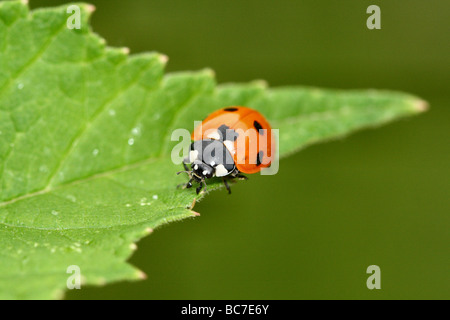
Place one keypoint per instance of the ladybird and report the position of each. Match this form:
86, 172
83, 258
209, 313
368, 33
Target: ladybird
229, 142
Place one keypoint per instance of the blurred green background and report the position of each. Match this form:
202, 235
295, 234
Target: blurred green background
377, 197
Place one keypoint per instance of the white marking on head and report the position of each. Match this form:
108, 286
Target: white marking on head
195, 167
229, 145
205, 172
221, 171
215, 135
193, 155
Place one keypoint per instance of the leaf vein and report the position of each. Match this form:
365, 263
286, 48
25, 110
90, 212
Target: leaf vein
33, 59
88, 124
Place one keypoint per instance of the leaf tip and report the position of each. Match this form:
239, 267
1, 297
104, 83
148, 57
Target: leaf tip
195, 213
59, 294
141, 275
163, 58
421, 106
90, 8
209, 72
101, 281
261, 83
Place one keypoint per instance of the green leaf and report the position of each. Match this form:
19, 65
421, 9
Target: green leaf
85, 142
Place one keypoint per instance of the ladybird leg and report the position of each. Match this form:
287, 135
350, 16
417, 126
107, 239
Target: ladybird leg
226, 185
240, 176
186, 169
199, 188
186, 185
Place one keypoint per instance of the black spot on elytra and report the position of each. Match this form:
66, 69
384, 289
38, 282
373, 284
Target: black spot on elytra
230, 109
259, 158
258, 127
227, 134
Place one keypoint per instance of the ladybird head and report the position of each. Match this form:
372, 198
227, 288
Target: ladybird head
207, 158
202, 170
